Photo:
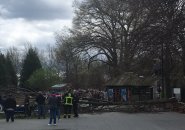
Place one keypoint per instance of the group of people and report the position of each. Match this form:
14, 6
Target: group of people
53, 103
70, 100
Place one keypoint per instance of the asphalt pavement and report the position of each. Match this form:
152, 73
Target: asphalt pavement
104, 121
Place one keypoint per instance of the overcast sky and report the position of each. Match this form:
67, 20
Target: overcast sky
33, 21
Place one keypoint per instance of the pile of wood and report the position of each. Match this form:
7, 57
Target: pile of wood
98, 105
179, 107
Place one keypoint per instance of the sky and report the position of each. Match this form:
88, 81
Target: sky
33, 21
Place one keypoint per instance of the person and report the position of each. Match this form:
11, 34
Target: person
52, 102
27, 106
68, 99
58, 107
75, 104
40, 99
9, 108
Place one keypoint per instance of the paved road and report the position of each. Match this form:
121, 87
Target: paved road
104, 121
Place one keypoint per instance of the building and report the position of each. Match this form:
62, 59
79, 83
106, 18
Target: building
130, 87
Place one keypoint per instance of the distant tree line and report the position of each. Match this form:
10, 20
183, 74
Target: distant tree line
26, 72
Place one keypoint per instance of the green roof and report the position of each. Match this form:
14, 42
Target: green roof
59, 85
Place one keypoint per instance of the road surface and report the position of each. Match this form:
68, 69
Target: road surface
104, 121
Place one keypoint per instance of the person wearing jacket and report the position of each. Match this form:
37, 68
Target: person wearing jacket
59, 107
75, 104
52, 103
27, 111
68, 103
9, 108
40, 99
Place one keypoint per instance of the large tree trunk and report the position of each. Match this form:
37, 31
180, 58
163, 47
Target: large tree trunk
168, 68
183, 58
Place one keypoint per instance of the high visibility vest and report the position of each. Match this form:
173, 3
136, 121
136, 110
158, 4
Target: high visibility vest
68, 100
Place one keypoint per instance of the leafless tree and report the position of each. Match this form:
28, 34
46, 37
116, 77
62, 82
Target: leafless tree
111, 28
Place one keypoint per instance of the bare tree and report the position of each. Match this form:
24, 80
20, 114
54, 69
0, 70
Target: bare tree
15, 57
163, 37
68, 58
110, 27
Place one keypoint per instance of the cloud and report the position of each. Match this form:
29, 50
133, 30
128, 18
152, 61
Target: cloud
16, 32
36, 9
33, 21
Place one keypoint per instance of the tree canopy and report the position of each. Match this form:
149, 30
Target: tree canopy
43, 79
8, 77
31, 63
